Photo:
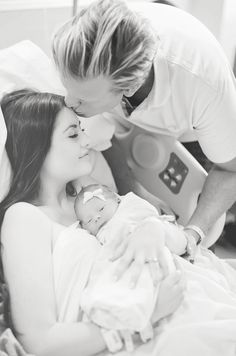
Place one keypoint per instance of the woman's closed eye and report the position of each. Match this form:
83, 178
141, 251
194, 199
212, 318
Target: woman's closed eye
73, 130
74, 135
102, 208
87, 222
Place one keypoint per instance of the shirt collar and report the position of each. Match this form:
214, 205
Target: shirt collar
161, 86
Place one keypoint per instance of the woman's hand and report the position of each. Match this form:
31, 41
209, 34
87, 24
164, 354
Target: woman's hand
170, 296
145, 245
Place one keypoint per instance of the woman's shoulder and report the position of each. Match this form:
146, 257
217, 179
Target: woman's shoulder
27, 222
22, 212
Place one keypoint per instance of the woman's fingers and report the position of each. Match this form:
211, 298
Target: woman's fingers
123, 265
156, 272
118, 249
136, 269
164, 265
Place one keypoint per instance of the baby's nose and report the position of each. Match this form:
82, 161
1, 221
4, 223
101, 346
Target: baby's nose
97, 217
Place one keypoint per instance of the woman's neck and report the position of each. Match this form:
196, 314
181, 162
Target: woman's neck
52, 194
55, 202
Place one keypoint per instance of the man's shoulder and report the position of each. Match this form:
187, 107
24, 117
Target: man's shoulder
186, 43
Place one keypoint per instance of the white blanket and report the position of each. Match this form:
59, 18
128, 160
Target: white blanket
205, 323
84, 280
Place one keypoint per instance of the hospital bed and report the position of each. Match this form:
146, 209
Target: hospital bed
160, 163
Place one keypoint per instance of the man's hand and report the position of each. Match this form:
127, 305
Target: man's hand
192, 238
217, 197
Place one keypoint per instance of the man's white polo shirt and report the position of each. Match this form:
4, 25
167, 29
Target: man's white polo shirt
194, 92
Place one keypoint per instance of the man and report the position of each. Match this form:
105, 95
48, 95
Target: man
165, 73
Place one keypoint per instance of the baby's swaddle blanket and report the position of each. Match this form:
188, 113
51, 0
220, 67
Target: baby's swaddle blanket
84, 281
108, 303
204, 324
131, 212
114, 304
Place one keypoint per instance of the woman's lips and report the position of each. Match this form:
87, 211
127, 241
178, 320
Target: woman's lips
86, 154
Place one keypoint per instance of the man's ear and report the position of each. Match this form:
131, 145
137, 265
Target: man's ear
130, 92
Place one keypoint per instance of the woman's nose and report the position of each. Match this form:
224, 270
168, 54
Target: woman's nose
84, 140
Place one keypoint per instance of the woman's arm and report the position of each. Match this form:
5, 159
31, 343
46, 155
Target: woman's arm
27, 262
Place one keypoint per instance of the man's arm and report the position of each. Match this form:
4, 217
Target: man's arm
218, 195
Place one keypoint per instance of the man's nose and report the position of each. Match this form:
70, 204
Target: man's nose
70, 102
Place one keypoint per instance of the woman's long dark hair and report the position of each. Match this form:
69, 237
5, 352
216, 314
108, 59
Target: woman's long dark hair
29, 118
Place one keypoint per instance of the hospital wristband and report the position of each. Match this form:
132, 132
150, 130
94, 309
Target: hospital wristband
199, 231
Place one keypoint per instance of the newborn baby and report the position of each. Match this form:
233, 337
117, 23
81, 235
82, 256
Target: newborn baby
106, 215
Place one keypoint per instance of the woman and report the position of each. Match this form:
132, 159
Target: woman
164, 72
47, 151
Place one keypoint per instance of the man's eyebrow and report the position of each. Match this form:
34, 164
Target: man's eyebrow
74, 126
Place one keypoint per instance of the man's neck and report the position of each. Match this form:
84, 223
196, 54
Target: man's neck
143, 91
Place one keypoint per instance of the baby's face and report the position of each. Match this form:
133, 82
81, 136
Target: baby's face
95, 213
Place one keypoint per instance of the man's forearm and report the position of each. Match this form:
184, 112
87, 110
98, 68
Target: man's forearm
218, 195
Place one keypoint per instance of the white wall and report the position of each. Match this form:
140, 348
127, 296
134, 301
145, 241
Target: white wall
209, 12
228, 29
36, 25
39, 22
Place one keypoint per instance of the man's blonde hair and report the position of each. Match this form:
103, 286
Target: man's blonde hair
106, 38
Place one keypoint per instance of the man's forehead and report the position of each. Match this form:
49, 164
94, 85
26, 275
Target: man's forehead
93, 89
